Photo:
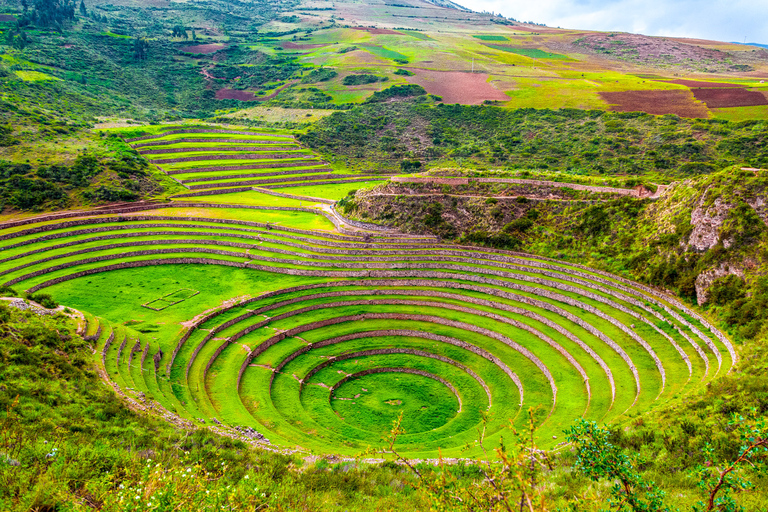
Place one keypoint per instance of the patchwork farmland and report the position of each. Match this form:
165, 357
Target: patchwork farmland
305, 336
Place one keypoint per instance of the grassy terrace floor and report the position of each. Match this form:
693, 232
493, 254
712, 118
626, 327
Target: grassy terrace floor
274, 321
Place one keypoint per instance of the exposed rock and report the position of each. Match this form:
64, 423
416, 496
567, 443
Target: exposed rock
706, 222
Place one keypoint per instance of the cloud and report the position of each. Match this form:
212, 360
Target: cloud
722, 20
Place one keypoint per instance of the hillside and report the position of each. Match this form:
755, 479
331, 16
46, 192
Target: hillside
377, 255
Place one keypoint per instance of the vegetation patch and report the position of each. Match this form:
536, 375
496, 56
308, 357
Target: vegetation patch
533, 53
363, 79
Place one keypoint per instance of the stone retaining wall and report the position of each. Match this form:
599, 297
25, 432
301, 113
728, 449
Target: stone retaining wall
382, 316
397, 370
514, 181
218, 141
388, 351
200, 130
298, 163
271, 156
331, 182
255, 147
131, 254
449, 284
305, 172
432, 293
133, 264
591, 273
120, 349
303, 179
429, 265
157, 358
546, 339
357, 223
135, 348
214, 192
94, 337
144, 357
348, 236
104, 349
132, 244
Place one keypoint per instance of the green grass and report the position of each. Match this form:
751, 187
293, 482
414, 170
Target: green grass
533, 53
34, 76
383, 52
335, 191
490, 37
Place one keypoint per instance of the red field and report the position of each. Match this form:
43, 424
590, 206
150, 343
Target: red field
722, 98
203, 48
457, 86
7, 17
656, 102
696, 83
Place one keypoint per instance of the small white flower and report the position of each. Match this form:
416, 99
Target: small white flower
246, 477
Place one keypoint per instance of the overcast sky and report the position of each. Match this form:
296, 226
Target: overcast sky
722, 20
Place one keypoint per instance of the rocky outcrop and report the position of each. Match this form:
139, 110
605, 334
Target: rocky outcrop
706, 221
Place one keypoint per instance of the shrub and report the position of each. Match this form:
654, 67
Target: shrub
726, 289
6, 291
410, 165
397, 91
319, 75
363, 79
44, 300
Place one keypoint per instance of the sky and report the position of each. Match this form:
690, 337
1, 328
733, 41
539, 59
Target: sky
721, 20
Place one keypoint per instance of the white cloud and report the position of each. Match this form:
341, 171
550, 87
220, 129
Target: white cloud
723, 20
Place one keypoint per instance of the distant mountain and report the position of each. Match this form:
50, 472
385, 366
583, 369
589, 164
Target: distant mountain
752, 44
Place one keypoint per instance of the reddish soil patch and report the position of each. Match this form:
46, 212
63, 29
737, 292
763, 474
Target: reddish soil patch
696, 83
723, 98
651, 50
203, 48
67, 46
377, 31
457, 86
656, 103
7, 17
289, 45
234, 94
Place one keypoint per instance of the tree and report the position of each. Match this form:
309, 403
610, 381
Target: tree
140, 49
597, 458
179, 31
723, 478
83, 11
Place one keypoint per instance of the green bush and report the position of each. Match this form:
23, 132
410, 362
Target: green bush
363, 79
727, 289
44, 300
